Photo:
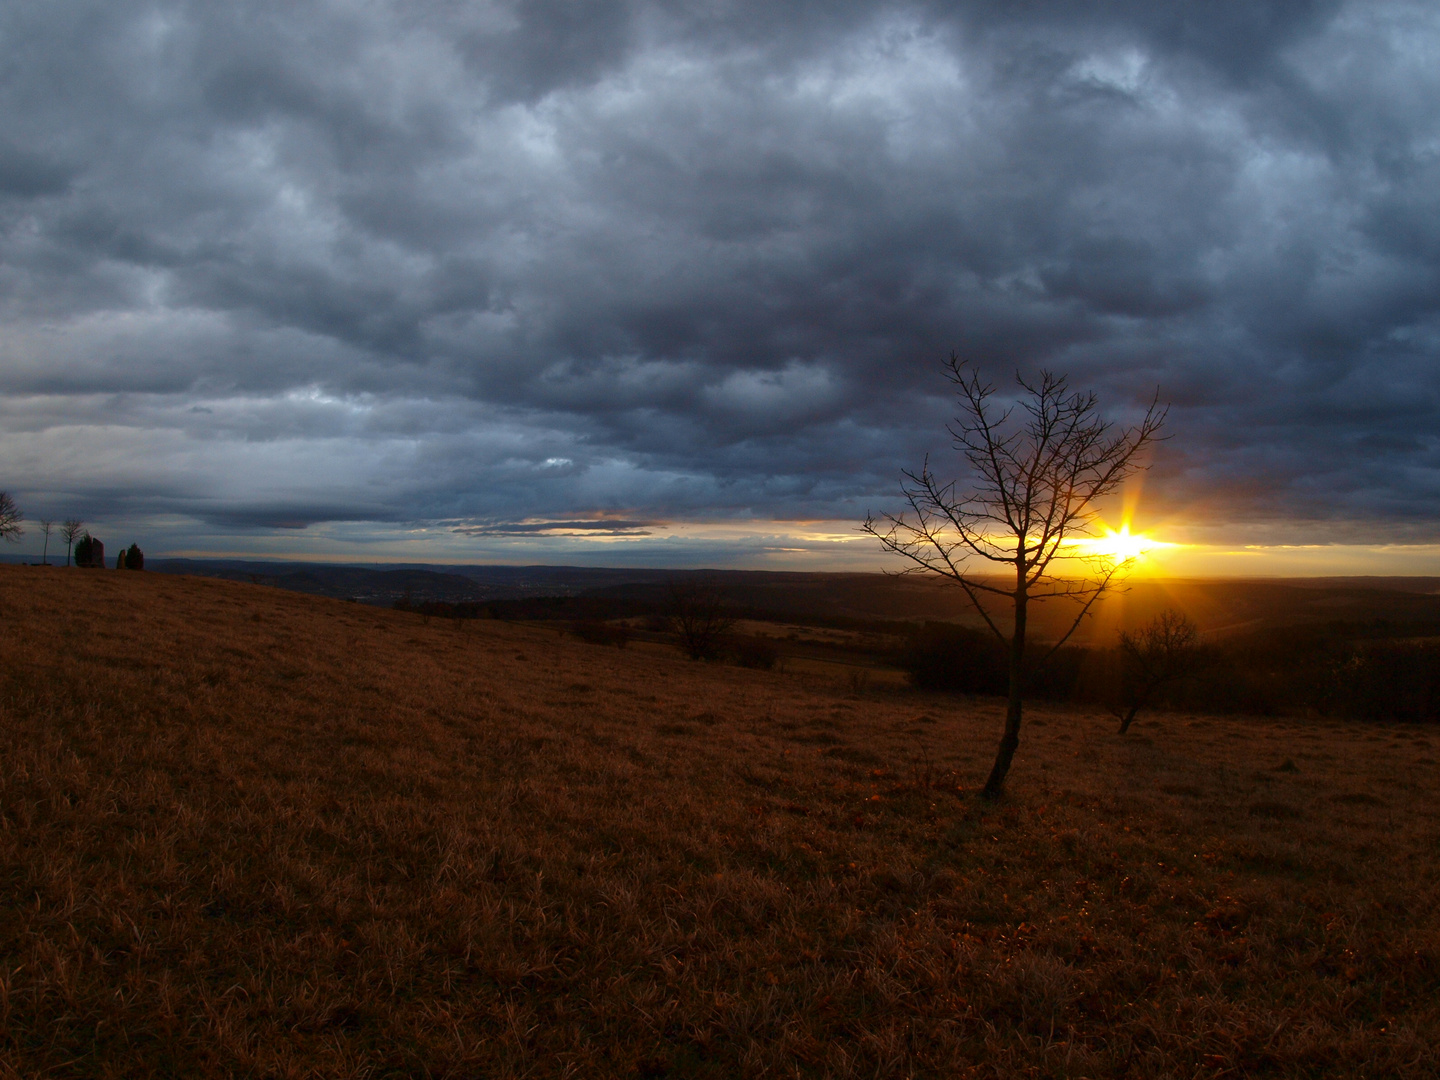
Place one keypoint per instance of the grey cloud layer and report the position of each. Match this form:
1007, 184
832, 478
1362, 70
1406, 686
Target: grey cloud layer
540, 261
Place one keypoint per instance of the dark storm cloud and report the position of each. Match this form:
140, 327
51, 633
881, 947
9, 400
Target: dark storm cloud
298, 517
599, 527
530, 263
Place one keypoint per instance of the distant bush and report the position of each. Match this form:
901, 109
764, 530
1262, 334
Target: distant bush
1389, 681
1216, 680
942, 656
89, 552
754, 652
131, 558
960, 659
1061, 676
1354, 671
1318, 670
699, 616
601, 633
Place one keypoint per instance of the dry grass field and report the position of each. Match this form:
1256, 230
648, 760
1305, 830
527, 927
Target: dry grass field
253, 833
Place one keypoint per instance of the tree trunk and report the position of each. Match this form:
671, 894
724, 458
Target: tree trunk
1138, 702
1129, 717
1010, 740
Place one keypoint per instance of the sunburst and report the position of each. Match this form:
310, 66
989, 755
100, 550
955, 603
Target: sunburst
1121, 547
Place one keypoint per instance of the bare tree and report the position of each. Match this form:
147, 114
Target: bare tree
10, 518
1164, 650
698, 615
45, 529
1034, 482
70, 530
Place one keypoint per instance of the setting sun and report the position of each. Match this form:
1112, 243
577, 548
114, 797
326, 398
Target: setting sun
1122, 546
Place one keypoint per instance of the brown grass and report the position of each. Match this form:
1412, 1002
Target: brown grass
246, 832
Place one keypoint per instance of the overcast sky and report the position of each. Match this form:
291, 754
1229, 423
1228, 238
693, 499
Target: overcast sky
448, 279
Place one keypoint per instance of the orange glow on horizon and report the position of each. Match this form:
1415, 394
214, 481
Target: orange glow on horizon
1122, 546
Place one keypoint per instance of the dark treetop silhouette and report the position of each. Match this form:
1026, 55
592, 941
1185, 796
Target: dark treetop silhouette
1164, 650
1034, 481
10, 518
70, 530
699, 616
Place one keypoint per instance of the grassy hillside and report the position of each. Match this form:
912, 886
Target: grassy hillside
248, 832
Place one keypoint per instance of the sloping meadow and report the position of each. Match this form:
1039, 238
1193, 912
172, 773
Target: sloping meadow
257, 833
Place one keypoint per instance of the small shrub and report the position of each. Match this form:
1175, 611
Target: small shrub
133, 558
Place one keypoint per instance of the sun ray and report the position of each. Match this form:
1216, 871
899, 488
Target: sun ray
1121, 546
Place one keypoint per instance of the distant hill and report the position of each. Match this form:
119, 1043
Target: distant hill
1220, 607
